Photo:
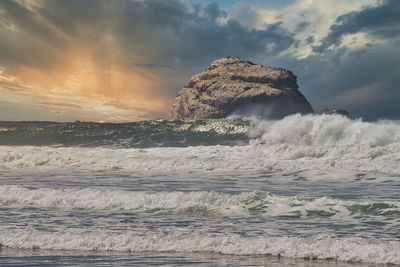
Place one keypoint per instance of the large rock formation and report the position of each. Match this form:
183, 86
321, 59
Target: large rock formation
235, 86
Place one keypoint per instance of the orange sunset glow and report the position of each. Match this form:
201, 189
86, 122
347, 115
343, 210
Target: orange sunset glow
115, 90
126, 60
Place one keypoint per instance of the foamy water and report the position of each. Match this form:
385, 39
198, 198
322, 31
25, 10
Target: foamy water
319, 247
323, 187
216, 203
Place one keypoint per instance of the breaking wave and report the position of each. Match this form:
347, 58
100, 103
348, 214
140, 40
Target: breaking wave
202, 204
316, 247
295, 130
294, 143
256, 157
313, 146
247, 203
320, 130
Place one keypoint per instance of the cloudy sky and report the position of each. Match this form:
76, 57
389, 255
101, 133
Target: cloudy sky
125, 60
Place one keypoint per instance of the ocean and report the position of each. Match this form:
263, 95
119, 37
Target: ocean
311, 190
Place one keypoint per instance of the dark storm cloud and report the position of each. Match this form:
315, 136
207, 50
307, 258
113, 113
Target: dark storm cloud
188, 36
153, 32
382, 21
302, 26
25, 37
310, 39
126, 54
156, 36
364, 81
212, 11
205, 42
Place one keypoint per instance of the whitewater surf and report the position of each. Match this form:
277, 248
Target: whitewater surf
320, 187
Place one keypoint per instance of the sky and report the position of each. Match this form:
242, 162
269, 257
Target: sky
126, 60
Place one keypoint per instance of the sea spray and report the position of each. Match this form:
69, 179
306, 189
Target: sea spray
316, 130
316, 186
320, 130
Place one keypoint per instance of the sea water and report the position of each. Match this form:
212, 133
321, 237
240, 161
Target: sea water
302, 191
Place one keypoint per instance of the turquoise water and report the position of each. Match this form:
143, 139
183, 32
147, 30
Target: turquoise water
302, 191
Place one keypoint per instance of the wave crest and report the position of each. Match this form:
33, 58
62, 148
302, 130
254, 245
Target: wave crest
320, 130
317, 247
243, 204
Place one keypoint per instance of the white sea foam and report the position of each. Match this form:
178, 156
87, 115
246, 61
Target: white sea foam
254, 157
257, 202
321, 147
319, 247
292, 144
318, 130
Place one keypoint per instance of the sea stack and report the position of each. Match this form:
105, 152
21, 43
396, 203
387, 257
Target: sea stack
233, 86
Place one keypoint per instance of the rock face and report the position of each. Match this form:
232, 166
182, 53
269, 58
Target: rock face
235, 86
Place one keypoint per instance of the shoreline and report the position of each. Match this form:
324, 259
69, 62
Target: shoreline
29, 257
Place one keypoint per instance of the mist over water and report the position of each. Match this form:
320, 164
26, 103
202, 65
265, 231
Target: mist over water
314, 186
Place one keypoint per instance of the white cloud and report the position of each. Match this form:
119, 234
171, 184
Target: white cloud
319, 15
252, 16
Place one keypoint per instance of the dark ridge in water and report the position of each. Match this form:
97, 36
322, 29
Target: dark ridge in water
152, 133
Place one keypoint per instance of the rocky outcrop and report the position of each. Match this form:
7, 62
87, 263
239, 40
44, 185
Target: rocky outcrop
333, 111
231, 85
